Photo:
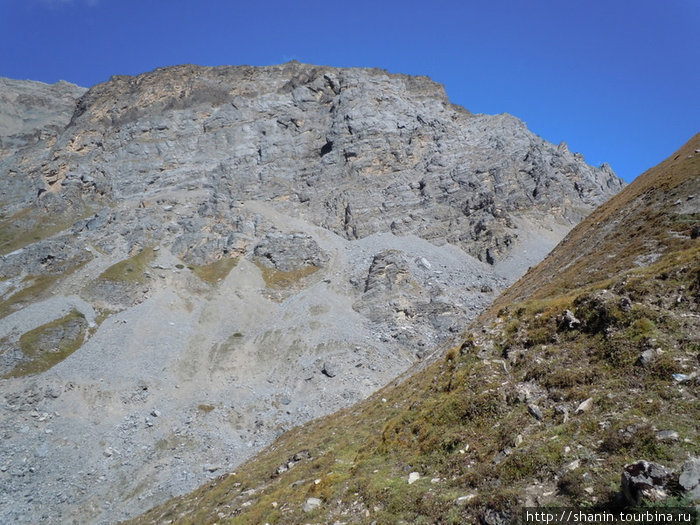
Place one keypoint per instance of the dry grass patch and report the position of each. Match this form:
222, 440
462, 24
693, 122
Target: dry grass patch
217, 271
49, 344
280, 280
131, 270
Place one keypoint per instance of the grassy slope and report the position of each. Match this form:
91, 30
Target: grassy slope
466, 423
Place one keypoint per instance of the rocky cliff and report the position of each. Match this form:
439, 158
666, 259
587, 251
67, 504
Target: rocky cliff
196, 259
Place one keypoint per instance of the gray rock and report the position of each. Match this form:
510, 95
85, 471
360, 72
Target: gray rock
689, 478
32, 112
535, 411
682, 378
495, 517
425, 263
329, 369
667, 435
646, 357
585, 406
645, 481
569, 320
288, 252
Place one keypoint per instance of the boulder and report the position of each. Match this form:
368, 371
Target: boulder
645, 481
312, 504
689, 478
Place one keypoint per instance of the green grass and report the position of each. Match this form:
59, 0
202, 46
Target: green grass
49, 344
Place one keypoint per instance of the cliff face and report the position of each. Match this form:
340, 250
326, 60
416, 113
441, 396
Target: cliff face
355, 151
238, 250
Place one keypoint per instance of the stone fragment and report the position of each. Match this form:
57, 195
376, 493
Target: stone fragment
682, 378
625, 304
413, 477
425, 263
572, 465
568, 320
562, 410
496, 517
465, 499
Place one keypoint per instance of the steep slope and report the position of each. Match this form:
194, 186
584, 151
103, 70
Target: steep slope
197, 259
589, 362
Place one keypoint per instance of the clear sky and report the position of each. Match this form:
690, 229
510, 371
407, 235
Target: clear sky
618, 80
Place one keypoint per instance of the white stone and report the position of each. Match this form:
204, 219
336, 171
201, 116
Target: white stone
312, 504
585, 406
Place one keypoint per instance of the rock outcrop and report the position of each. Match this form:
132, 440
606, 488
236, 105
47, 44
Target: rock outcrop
247, 248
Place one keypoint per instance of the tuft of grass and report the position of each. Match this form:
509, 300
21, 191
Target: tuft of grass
49, 344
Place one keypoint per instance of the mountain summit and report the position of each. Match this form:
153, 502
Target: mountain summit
197, 259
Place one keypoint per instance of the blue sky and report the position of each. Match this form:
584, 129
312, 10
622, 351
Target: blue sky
619, 81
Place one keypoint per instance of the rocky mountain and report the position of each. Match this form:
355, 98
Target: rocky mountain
578, 387
195, 260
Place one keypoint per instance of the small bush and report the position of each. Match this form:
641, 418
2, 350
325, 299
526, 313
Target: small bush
641, 329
